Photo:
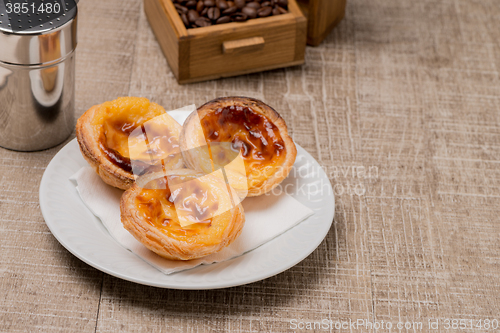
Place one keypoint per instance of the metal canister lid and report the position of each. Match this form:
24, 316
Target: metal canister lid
37, 32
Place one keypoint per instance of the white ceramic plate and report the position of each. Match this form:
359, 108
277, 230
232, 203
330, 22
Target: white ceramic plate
81, 233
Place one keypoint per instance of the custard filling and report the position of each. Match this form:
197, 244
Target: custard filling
132, 131
173, 198
249, 133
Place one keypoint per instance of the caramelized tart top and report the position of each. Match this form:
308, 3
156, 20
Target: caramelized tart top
186, 207
133, 128
248, 132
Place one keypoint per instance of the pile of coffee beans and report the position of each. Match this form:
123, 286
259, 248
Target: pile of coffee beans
202, 13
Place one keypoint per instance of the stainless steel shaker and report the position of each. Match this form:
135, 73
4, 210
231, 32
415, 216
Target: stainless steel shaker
37, 72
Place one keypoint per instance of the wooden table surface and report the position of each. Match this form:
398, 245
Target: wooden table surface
407, 89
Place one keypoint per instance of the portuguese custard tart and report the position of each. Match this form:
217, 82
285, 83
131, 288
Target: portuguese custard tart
182, 214
128, 136
245, 137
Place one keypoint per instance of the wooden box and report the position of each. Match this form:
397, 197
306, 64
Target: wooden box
322, 17
227, 49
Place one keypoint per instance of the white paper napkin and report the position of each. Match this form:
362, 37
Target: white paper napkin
266, 217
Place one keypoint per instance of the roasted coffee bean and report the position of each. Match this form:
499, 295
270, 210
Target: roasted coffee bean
240, 3
192, 15
265, 11
253, 4
222, 4
203, 22
250, 11
230, 10
213, 13
202, 13
184, 19
223, 19
283, 3
200, 6
239, 17
181, 8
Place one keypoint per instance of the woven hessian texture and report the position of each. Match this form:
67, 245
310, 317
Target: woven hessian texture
406, 91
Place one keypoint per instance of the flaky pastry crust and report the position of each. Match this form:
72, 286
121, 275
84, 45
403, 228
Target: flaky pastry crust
89, 135
139, 224
191, 136
88, 140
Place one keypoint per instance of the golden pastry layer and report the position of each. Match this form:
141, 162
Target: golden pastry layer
182, 214
128, 135
225, 127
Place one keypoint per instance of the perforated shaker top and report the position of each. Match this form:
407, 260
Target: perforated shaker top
35, 16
